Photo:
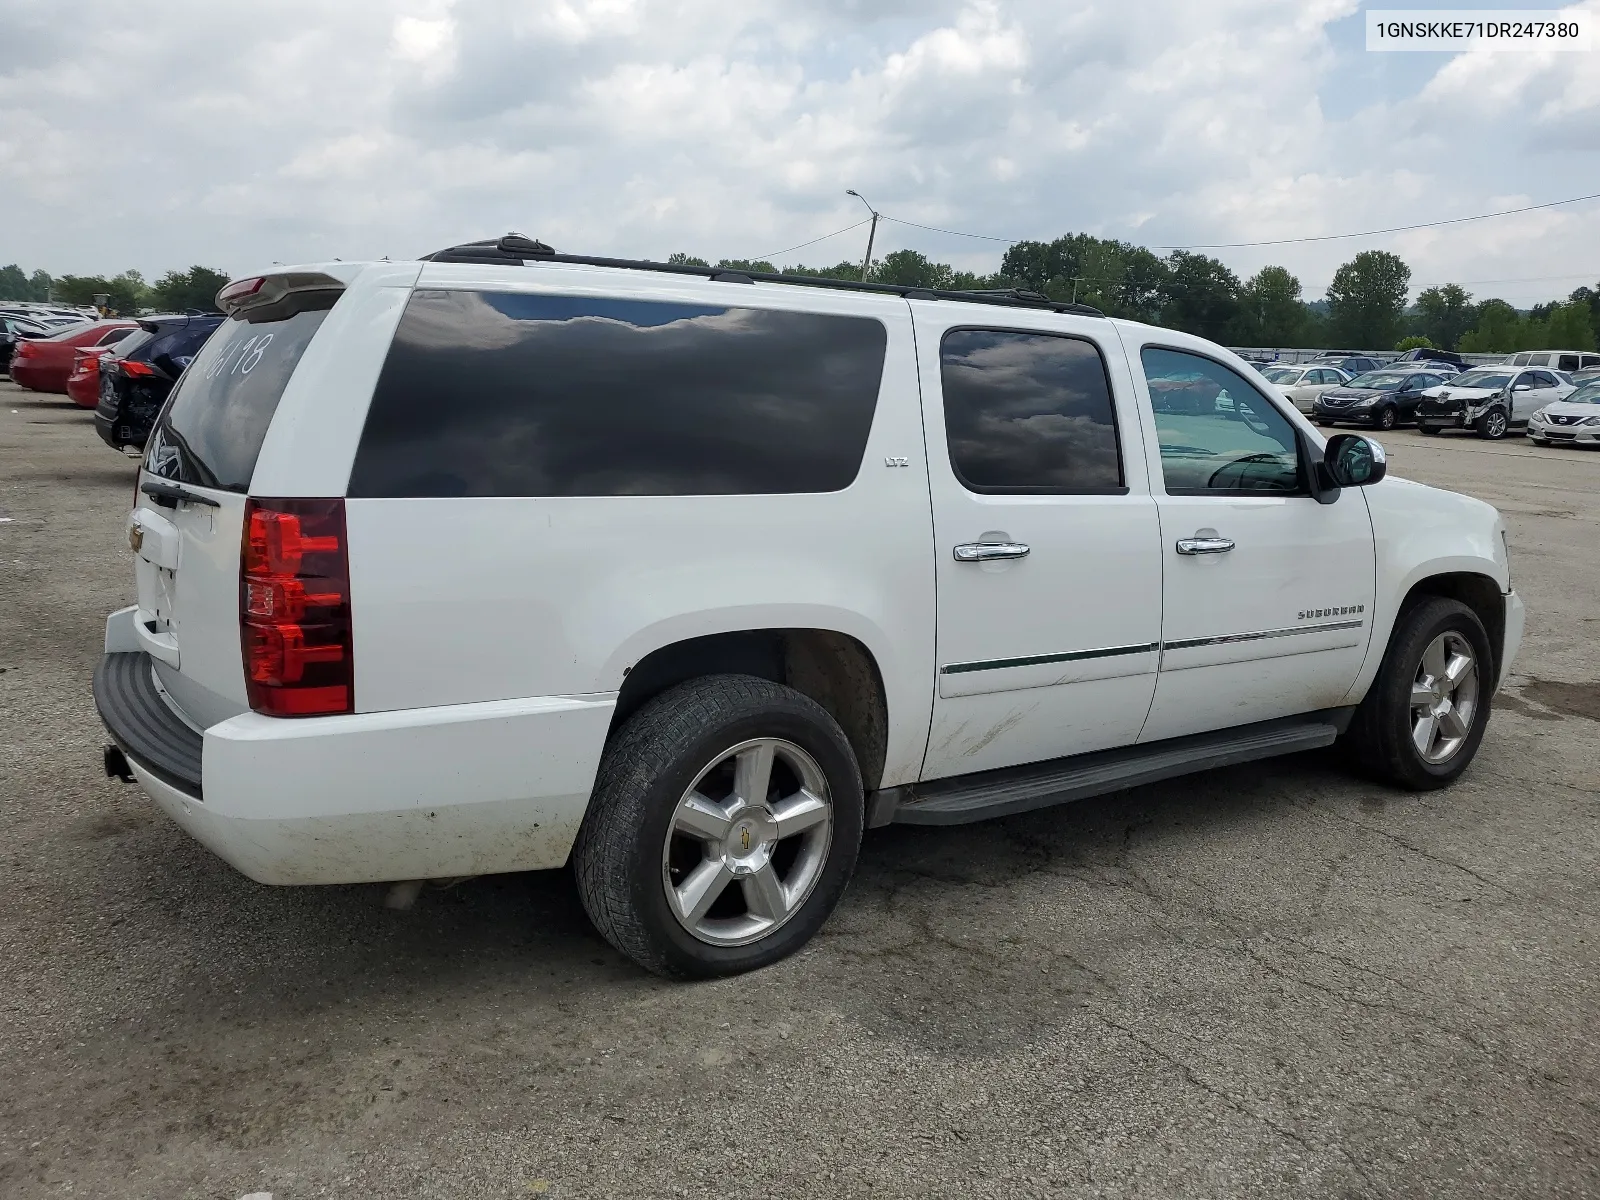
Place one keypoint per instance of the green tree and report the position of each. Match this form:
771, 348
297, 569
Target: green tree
841, 270
911, 269
1444, 314
16, 285
1415, 342
1367, 300
686, 260
1202, 295
1270, 310
1496, 329
1590, 298
197, 287
1120, 279
1570, 327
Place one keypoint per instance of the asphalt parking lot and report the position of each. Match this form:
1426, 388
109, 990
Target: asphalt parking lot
1274, 980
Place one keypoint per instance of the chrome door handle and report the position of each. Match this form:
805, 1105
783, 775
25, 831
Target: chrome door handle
985, 551
1204, 545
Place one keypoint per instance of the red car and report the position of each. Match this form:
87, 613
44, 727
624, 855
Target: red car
83, 385
43, 364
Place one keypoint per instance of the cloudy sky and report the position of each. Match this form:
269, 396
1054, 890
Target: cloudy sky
192, 131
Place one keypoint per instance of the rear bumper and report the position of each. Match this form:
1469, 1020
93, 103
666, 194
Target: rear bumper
38, 378
468, 789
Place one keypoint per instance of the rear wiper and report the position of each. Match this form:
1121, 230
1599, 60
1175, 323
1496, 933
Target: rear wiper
164, 490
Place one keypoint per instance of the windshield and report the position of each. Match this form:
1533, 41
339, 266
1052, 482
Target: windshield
1281, 375
1481, 379
1588, 394
1377, 380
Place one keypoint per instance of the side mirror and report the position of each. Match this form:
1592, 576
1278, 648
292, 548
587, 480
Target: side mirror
1522, 387
1354, 461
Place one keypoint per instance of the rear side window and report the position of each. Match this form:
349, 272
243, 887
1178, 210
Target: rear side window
112, 336
1028, 412
211, 430
510, 394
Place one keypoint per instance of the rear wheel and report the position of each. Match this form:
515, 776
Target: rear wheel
723, 828
1423, 718
1492, 425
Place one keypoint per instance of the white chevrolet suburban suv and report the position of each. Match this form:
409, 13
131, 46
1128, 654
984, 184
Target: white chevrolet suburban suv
505, 559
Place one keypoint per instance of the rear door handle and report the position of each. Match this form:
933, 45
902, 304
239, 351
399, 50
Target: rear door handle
1204, 545
987, 551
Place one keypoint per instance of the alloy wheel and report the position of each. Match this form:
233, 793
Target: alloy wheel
1386, 419
1495, 424
759, 816
1444, 697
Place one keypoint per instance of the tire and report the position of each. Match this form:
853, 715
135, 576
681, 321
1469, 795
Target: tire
1324, 424
1385, 732
1492, 425
1431, 430
633, 846
1387, 417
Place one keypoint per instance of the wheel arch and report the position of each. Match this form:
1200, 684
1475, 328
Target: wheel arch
835, 669
1478, 592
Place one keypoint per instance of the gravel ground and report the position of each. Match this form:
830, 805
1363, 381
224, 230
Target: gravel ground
1274, 980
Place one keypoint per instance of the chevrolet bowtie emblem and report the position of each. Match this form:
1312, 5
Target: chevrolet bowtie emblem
744, 838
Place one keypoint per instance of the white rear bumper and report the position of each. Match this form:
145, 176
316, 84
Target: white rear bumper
421, 794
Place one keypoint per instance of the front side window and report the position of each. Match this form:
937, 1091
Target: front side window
1217, 433
1028, 412
516, 394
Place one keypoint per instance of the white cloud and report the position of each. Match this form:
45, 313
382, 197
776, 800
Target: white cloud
640, 127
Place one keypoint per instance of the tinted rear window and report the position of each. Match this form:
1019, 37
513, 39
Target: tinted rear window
216, 419
502, 394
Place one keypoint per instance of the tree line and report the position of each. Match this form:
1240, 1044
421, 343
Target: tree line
1365, 307
176, 291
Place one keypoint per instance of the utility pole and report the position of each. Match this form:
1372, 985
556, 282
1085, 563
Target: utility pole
871, 233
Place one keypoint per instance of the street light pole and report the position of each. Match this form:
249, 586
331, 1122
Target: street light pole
871, 233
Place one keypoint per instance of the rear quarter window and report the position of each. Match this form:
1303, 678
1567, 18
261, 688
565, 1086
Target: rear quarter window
210, 432
510, 394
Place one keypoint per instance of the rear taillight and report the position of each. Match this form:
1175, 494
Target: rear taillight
136, 370
294, 608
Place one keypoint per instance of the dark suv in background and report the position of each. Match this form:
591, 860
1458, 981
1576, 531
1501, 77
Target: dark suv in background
136, 377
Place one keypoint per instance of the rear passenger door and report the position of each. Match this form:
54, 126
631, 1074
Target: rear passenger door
1046, 548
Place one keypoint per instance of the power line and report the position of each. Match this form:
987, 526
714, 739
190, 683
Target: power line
1324, 237
812, 242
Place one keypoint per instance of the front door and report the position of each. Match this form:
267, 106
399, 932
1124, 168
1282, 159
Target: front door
1045, 534
1544, 388
1267, 594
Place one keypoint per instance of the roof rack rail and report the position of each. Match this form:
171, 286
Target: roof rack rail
518, 248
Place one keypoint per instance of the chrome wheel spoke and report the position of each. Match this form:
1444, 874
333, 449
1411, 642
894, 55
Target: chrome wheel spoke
1422, 733
1433, 659
763, 892
696, 894
1421, 695
752, 773
1451, 723
702, 818
800, 812
1458, 668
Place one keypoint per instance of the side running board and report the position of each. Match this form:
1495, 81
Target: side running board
1002, 793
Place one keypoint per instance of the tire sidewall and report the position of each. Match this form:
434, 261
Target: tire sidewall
687, 954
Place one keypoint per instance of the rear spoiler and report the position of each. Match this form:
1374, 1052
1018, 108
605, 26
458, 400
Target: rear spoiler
267, 291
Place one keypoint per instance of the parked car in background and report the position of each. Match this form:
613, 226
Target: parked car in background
1427, 356
1561, 360
1382, 398
43, 364
1573, 420
14, 331
83, 384
1350, 364
1490, 400
1302, 383
1587, 375
135, 381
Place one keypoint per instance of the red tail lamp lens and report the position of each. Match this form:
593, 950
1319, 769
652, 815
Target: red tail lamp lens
294, 608
136, 370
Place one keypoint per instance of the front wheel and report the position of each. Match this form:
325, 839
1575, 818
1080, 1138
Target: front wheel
1387, 417
723, 828
1423, 718
1492, 425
